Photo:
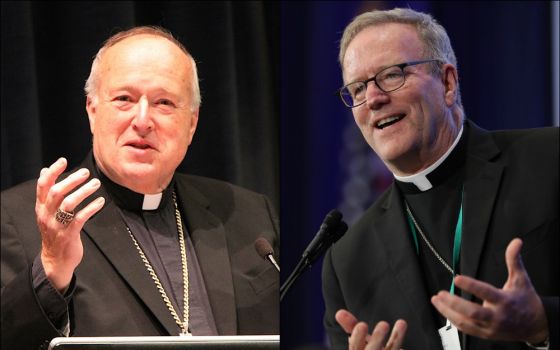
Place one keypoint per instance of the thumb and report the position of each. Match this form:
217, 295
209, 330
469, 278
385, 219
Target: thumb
514, 262
346, 320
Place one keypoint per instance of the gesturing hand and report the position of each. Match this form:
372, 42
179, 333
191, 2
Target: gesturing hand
360, 339
513, 313
61, 249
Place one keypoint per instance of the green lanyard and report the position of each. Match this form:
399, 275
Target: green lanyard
456, 241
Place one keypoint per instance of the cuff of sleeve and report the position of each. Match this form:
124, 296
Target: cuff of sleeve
551, 307
541, 346
52, 301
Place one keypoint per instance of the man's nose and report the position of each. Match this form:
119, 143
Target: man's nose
375, 97
143, 122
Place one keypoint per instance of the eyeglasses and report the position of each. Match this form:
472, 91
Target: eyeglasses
387, 80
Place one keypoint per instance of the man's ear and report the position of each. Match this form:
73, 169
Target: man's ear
450, 83
91, 108
193, 124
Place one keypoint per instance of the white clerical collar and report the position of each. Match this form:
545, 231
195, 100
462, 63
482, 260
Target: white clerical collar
421, 179
151, 201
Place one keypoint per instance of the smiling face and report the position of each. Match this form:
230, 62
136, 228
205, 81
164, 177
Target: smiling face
142, 116
420, 118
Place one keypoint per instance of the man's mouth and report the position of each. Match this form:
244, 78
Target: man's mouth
385, 122
139, 145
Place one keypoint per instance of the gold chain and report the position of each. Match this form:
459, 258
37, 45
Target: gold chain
434, 251
183, 325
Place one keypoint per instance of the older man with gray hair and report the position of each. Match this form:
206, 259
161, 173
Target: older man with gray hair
428, 255
125, 245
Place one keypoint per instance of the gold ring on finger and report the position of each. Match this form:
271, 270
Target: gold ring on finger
63, 216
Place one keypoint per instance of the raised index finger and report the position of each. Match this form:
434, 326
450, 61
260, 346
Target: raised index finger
48, 177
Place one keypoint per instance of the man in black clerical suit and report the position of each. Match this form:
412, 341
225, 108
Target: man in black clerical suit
124, 245
437, 255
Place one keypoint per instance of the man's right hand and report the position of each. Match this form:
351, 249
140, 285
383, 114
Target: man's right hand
62, 249
360, 339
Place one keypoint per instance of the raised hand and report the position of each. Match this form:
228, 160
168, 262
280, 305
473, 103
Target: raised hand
513, 313
62, 249
360, 339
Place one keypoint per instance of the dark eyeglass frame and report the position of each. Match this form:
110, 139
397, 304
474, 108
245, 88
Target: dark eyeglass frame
402, 66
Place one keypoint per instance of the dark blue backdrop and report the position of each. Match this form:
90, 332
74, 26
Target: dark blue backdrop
504, 55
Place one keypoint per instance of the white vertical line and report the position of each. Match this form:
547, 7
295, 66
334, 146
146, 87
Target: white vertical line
555, 62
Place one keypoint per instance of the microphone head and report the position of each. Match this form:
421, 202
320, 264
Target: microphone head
263, 248
332, 218
339, 232
331, 230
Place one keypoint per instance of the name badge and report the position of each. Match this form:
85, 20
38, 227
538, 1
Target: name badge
449, 337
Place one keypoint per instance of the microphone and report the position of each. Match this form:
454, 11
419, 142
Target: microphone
332, 236
329, 232
265, 251
331, 220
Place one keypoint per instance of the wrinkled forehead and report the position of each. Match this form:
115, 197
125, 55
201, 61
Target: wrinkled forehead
147, 60
378, 46
145, 49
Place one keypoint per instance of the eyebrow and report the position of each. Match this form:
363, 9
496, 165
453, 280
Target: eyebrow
377, 71
133, 89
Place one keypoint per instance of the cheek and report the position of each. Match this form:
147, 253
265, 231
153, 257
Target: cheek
174, 135
360, 116
432, 101
432, 112
109, 124
422, 108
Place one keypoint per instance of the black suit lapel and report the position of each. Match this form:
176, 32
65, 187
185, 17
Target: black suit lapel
403, 261
108, 231
209, 239
482, 182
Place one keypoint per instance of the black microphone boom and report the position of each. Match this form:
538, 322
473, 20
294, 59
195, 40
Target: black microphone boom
330, 231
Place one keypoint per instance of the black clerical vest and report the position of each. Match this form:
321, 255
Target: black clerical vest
156, 232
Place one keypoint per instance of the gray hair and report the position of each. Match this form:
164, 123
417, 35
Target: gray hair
434, 37
92, 82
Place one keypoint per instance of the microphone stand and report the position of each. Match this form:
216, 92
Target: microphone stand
310, 255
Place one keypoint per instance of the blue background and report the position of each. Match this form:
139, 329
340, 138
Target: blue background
505, 73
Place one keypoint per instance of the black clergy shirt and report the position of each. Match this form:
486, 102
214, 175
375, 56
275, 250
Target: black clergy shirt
436, 211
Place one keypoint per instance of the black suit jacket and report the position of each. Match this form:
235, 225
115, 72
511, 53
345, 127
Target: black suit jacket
115, 294
510, 190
